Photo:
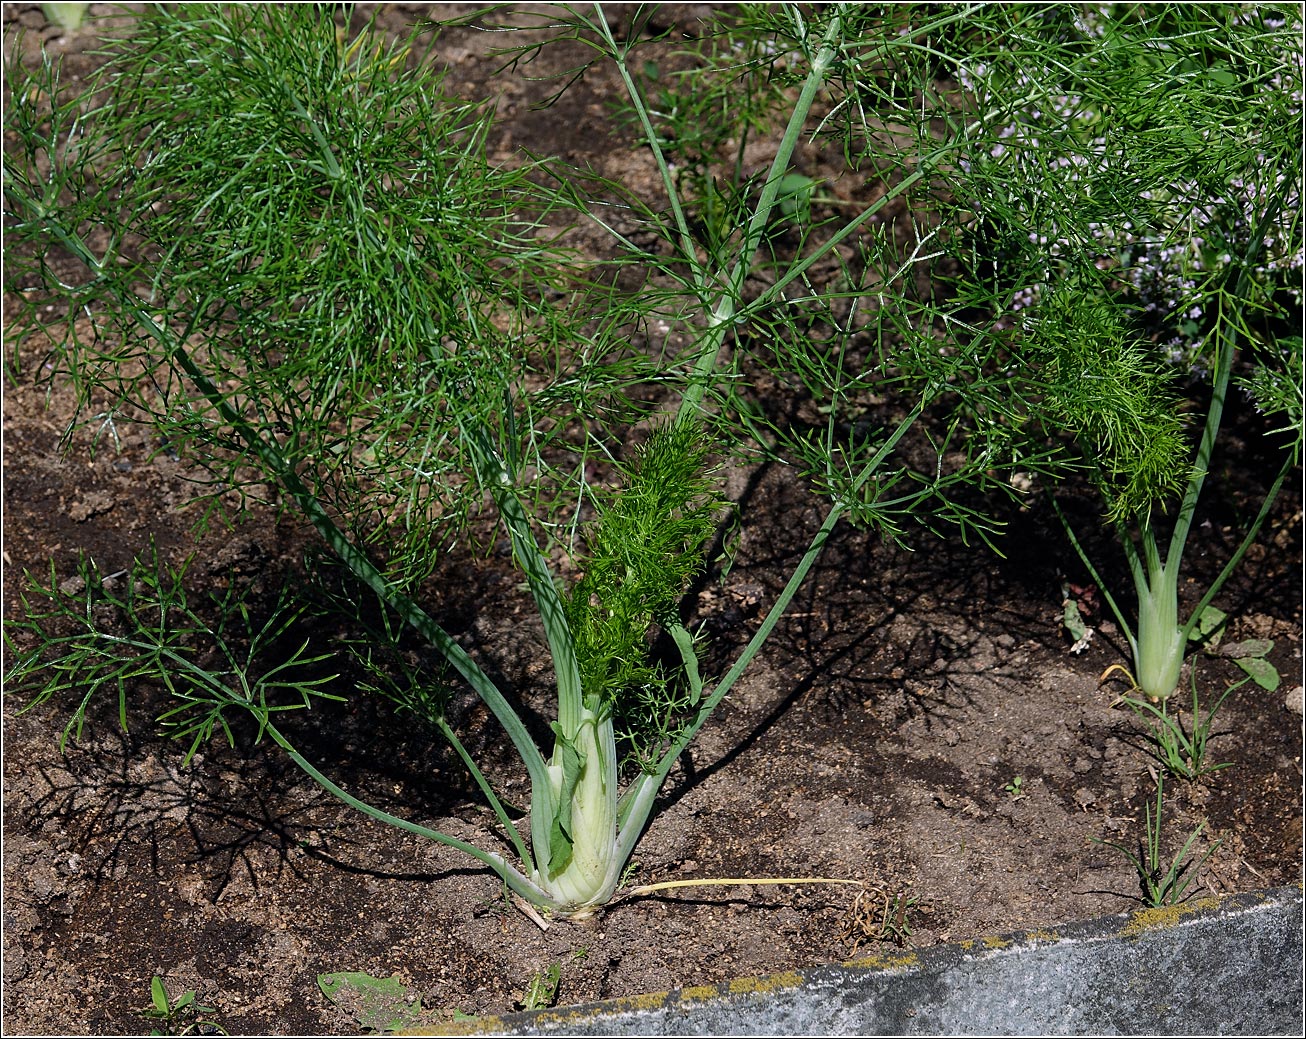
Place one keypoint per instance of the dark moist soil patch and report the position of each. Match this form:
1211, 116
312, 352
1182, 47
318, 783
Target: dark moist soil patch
875, 739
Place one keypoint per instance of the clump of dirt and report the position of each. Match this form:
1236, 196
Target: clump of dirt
916, 723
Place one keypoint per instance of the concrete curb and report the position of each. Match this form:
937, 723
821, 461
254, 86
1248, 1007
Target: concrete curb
1223, 966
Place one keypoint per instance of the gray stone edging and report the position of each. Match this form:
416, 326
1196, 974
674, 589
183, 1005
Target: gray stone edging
1225, 966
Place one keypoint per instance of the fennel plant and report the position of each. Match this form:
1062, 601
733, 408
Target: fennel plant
1135, 197
301, 270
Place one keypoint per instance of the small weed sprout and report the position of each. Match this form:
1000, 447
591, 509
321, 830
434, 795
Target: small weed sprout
1161, 884
878, 914
180, 1016
542, 989
1181, 751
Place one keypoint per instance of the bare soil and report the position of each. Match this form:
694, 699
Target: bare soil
878, 738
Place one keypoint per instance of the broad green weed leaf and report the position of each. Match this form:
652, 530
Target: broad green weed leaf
158, 994
379, 1004
1248, 648
1209, 627
1262, 671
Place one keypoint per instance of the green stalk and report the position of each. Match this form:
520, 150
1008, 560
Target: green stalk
1162, 640
761, 218
544, 591
664, 169
723, 312
446, 730
1116, 611
640, 798
579, 802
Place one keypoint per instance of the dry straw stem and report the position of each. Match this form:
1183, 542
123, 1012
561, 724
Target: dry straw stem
666, 885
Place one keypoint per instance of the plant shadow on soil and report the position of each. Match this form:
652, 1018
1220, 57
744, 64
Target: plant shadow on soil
875, 739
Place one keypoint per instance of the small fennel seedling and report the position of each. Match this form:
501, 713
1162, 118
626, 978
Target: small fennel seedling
1161, 884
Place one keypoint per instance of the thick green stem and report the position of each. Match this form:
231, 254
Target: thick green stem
1162, 640
1159, 653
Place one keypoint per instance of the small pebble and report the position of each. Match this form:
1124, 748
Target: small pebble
73, 586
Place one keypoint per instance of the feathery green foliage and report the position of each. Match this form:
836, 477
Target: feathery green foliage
644, 548
1118, 397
